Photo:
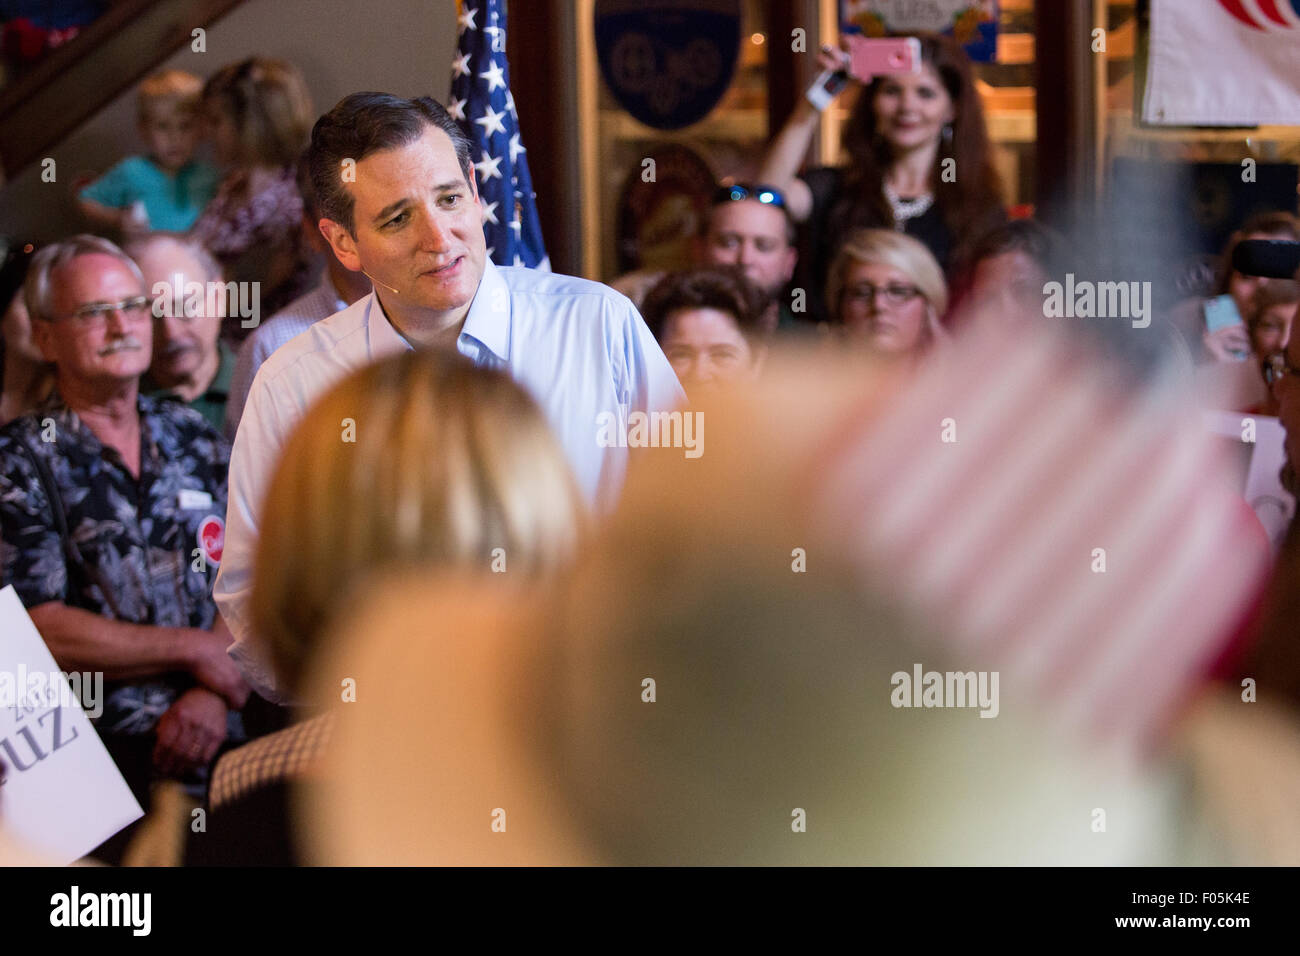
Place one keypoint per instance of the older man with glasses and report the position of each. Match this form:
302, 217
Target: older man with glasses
111, 524
190, 362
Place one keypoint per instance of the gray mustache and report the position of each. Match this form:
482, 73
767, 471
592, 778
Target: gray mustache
125, 345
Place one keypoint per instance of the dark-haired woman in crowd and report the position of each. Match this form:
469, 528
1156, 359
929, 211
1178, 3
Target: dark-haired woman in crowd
1004, 275
1214, 324
260, 114
25, 377
709, 324
1219, 321
900, 138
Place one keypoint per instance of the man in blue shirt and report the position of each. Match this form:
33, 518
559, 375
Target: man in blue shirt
400, 204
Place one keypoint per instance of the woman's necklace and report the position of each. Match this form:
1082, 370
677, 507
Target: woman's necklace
905, 209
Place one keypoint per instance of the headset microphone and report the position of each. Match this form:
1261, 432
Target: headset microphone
378, 283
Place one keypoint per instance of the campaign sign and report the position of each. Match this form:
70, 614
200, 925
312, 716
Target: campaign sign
668, 62
62, 794
974, 23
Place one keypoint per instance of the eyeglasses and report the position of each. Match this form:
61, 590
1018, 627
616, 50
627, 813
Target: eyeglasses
95, 315
1276, 368
894, 294
741, 191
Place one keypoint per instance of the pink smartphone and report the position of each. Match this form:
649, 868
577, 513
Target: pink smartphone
868, 58
887, 55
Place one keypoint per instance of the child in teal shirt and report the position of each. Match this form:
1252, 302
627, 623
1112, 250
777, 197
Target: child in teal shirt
166, 189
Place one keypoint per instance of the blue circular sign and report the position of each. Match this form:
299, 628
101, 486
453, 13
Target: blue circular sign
668, 62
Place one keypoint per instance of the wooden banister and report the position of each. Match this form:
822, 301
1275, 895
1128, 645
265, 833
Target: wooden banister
73, 82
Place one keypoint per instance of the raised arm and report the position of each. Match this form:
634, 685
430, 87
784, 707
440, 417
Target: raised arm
786, 154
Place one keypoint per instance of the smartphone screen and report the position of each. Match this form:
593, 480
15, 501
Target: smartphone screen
872, 57
1220, 313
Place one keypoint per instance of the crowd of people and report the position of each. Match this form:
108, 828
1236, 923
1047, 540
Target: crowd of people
203, 504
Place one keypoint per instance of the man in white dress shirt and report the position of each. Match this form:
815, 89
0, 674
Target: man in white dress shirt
400, 204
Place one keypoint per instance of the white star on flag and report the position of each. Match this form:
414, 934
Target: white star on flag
487, 167
496, 79
491, 123
481, 99
516, 147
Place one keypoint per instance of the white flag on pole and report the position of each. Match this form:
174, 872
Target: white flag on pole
1223, 63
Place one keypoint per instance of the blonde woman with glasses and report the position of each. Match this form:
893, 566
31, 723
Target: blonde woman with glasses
886, 293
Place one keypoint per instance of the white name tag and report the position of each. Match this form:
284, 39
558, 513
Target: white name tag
190, 499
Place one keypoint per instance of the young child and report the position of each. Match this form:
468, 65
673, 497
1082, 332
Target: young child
168, 188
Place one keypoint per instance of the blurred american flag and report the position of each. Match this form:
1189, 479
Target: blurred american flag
995, 534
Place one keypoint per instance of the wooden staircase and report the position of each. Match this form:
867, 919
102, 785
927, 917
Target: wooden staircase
107, 57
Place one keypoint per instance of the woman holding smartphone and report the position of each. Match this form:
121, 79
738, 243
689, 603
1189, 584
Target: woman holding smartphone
918, 161
1229, 312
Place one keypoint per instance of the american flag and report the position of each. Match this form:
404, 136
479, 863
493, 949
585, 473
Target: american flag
1081, 541
481, 100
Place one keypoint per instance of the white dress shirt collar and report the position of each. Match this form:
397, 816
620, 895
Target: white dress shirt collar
487, 322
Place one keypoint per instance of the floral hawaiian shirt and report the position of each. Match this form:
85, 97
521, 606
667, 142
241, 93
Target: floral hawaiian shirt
144, 551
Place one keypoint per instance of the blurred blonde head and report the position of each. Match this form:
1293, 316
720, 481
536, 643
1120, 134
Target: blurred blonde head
167, 91
421, 459
893, 251
269, 106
